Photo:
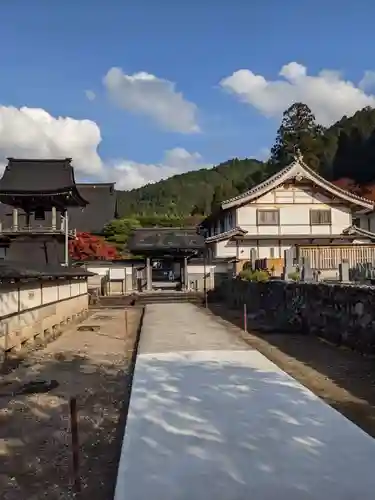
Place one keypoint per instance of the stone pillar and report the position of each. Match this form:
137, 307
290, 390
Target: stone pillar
15, 219
344, 271
54, 218
149, 274
186, 276
307, 273
288, 263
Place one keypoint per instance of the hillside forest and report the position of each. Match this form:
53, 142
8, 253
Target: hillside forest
343, 153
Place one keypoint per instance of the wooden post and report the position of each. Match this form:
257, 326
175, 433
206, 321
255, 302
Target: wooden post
15, 219
126, 323
54, 218
75, 444
245, 318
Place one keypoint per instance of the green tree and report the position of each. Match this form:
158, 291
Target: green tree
118, 231
298, 131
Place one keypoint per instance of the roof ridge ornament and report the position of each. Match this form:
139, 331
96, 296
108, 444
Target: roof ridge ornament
298, 156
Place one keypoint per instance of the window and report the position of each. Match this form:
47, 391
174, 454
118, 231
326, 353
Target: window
39, 214
272, 253
222, 226
318, 217
357, 222
268, 217
230, 220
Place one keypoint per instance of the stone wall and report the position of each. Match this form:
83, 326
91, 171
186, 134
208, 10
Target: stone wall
35, 310
342, 314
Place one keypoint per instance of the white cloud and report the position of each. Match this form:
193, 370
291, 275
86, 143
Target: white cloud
34, 133
327, 94
368, 81
90, 94
130, 174
264, 154
147, 94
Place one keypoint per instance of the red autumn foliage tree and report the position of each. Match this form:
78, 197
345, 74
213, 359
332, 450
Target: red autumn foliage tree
365, 190
86, 246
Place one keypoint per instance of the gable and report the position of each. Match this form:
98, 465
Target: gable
297, 195
298, 174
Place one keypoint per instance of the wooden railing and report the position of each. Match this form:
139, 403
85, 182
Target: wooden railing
9, 231
329, 257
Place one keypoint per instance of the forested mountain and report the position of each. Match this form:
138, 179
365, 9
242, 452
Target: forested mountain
344, 152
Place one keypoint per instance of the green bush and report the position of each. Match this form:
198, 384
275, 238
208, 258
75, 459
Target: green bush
294, 276
257, 275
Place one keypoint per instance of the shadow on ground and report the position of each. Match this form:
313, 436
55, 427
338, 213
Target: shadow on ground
217, 428
35, 438
343, 378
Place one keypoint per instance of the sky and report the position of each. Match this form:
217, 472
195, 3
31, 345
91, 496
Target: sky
138, 90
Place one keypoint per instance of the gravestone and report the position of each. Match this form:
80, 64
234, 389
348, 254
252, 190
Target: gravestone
344, 271
289, 256
253, 256
307, 273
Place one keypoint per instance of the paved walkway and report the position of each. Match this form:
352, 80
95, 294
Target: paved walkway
211, 418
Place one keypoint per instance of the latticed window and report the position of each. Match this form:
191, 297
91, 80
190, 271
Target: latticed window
268, 217
318, 217
230, 220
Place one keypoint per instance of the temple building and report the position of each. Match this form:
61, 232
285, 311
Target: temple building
101, 207
36, 196
42, 208
168, 252
295, 209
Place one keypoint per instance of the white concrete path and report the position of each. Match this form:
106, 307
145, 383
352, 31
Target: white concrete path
210, 418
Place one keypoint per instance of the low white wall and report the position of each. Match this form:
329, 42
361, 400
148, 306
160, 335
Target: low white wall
30, 309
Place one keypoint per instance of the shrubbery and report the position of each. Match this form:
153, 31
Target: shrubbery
257, 275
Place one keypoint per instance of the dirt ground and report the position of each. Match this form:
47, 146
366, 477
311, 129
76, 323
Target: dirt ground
35, 439
341, 377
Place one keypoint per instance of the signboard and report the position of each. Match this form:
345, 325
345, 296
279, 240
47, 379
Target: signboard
117, 273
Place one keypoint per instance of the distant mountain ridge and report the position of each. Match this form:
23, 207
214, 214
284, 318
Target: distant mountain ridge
345, 154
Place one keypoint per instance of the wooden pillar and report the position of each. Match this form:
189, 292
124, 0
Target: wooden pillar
149, 274
54, 218
186, 276
15, 219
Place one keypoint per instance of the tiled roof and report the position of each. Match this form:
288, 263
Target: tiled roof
100, 210
165, 239
23, 175
236, 231
297, 168
42, 178
11, 270
355, 230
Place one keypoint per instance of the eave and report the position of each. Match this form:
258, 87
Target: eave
298, 171
235, 232
63, 198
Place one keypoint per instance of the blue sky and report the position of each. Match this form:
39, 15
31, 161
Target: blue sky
53, 52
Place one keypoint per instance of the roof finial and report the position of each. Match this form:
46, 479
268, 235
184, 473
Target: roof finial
297, 154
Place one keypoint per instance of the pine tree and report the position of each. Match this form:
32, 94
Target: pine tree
298, 131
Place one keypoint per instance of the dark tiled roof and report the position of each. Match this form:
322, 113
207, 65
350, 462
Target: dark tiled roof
37, 176
100, 210
165, 239
20, 270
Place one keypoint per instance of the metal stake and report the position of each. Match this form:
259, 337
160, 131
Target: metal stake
245, 318
75, 443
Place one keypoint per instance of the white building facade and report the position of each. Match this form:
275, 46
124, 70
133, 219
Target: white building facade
295, 207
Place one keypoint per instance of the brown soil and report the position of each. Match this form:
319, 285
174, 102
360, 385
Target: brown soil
93, 365
341, 377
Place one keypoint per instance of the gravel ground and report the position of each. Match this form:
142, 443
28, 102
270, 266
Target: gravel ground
35, 440
342, 378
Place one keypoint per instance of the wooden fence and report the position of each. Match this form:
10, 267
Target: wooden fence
329, 257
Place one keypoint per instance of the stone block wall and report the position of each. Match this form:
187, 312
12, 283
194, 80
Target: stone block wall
342, 314
33, 311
